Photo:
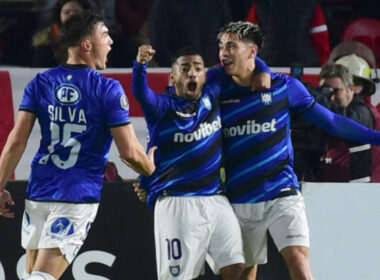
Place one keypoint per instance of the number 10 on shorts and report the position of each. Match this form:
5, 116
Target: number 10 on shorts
174, 248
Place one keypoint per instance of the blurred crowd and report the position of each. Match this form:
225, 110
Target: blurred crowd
296, 32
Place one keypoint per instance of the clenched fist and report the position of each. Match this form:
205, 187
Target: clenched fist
145, 54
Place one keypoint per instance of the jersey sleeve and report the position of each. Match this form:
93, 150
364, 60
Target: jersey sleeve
148, 99
261, 66
299, 97
341, 126
116, 105
28, 102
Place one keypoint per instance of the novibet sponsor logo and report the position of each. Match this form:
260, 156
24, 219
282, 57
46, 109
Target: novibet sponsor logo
250, 127
205, 129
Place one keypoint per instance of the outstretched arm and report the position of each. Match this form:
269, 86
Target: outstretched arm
341, 126
12, 152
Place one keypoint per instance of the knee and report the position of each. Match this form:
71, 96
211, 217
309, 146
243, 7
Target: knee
232, 272
30, 260
250, 273
296, 258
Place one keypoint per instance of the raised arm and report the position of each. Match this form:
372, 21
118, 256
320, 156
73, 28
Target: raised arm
12, 152
131, 151
145, 96
341, 126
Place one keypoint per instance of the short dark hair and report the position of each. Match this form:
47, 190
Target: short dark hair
333, 70
85, 4
246, 31
184, 51
78, 26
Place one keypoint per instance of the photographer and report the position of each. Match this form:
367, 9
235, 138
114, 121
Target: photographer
345, 161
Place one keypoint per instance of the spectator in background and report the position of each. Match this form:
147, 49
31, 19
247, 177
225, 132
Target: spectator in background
132, 18
346, 161
295, 32
175, 23
48, 51
357, 58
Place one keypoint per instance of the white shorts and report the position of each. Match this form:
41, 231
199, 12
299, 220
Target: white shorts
188, 228
285, 218
57, 225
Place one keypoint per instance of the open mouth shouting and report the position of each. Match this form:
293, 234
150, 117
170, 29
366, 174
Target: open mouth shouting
192, 90
192, 86
227, 64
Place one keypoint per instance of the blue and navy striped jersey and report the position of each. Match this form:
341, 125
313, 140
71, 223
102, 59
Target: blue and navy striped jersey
256, 137
75, 106
188, 137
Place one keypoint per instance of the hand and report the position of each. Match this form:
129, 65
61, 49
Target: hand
141, 193
6, 199
145, 54
261, 81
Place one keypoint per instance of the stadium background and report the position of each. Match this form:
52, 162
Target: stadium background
344, 218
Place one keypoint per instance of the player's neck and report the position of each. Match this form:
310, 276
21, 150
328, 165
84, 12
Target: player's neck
245, 77
77, 57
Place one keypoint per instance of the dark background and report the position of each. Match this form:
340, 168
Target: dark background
123, 227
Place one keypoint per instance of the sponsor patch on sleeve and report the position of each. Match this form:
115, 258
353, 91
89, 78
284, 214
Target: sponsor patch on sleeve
124, 102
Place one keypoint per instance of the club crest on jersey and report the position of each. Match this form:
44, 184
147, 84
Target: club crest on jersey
62, 226
124, 102
67, 94
174, 270
206, 102
266, 98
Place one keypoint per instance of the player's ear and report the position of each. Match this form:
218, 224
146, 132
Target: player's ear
86, 45
171, 78
253, 50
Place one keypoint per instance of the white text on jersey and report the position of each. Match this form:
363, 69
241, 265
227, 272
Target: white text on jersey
251, 127
204, 130
56, 113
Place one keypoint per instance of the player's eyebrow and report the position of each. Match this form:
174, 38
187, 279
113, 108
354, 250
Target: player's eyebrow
188, 63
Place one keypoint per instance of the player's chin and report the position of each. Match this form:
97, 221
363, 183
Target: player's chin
228, 68
193, 95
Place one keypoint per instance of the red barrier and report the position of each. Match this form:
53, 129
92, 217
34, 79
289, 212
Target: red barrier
6, 108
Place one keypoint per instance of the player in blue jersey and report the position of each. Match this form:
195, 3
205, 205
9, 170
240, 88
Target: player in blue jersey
260, 181
192, 216
79, 111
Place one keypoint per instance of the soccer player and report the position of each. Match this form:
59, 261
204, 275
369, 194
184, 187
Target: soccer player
79, 111
192, 216
260, 181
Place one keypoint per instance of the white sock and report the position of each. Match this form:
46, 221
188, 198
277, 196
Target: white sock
25, 275
39, 275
